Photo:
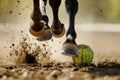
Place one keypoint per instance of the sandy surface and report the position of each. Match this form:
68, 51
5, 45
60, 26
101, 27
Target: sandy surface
25, 58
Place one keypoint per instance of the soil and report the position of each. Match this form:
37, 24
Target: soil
33, 63
61, 71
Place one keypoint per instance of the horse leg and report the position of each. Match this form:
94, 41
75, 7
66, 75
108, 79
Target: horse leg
40, 27
57, 27
70, 46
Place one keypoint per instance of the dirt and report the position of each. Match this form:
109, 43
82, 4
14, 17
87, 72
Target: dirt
61, 71
28, 52
34, 63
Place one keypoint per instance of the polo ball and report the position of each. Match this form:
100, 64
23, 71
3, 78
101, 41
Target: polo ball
85, 56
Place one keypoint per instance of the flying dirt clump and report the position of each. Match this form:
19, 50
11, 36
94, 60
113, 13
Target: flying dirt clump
29, 52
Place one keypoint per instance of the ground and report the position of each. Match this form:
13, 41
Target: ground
33, 62
61, 71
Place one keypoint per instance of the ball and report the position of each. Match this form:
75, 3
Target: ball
85, 56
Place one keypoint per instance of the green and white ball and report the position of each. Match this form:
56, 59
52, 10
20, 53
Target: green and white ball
85, 55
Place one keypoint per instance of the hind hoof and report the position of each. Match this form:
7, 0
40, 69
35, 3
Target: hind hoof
69, 49
36, 33
46, 36
58, 33
35, 29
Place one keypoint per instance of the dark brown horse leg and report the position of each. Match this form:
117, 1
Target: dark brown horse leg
58, 29
36, 28
40, 26
44, 19
70, 47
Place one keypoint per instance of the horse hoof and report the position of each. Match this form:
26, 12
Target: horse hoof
35, 29
69, 49
46, 36
58, 33
36, 33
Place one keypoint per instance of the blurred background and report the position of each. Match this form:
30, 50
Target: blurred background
105, 11
97, 24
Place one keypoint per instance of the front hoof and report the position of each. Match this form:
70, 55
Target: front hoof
36, 29
70, 49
